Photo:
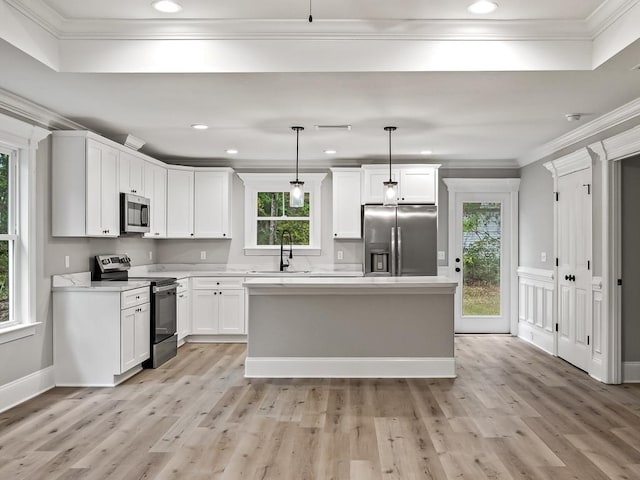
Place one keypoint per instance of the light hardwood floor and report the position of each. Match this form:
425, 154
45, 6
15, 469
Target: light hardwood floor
513, 412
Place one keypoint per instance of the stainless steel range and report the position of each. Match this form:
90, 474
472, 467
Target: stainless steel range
164, 339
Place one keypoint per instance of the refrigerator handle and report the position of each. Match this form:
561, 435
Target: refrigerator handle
399, 249
392, 254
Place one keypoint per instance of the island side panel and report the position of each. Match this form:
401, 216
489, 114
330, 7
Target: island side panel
357, 325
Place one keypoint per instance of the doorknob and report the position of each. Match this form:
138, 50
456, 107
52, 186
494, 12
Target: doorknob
567, 277
572, 278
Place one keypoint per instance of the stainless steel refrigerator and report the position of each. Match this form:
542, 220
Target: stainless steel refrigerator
400, 240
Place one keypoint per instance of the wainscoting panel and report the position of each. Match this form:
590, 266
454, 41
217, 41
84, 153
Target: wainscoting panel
536, 313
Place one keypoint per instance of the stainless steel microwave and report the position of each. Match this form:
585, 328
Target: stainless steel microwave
134, 214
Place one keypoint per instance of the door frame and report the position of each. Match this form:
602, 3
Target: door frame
567, 165
510, 186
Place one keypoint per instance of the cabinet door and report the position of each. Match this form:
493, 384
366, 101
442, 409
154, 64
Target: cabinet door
205, 311
211, 205
346, 204
155, 181
94, 189
179, 203
231, 319
131, 178
184, 314
142, 333
110, 201
418, 185
128, 339
374, 179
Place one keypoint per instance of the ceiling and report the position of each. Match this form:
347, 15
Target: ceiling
492, 101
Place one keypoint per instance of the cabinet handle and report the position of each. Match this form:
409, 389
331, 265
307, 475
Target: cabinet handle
335, 234
215, 293
181, 296
224, 234
192, 234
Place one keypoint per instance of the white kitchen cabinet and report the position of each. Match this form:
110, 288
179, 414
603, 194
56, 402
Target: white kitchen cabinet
218, 306
84, 186
183, 302
180, 203
346, 203
416, 183
155, 181
132, 175
212, 204
135, 335
100, 338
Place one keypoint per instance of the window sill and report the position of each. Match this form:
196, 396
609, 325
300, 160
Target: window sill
15, 332
275, 252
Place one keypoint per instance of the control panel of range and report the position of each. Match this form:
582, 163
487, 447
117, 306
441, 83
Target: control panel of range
113, 262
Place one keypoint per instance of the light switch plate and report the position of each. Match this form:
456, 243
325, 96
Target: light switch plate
203, 255
340, 255
543, 257
442, 255
66, 261
150, 254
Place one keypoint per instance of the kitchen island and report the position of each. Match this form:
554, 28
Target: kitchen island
350, 327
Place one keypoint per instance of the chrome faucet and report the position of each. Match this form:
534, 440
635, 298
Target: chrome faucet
284, 265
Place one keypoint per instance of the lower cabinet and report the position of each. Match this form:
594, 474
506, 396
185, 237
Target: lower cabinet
183, 318
217, 307
135, 335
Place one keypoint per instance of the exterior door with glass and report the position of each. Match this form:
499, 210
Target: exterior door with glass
481, 262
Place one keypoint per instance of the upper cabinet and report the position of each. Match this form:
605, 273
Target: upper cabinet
155, 182
84, 186
180, 203
346, 203
212, 204
132, 175
416, 183
199, 203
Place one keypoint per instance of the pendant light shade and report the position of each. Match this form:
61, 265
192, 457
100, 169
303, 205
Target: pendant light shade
296, 196
390, 195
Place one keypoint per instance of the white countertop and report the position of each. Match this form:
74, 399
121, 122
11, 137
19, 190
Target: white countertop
101, 286
351, 282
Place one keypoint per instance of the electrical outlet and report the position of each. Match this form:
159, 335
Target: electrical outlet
543, 257
150, 255
203, 255
340, 255
66, 261
441, 255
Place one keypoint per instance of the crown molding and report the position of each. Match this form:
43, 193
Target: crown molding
615, 117
41, 14
23, 109
607, 14
574, 162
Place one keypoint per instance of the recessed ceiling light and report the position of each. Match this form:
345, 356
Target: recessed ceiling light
425, 152
330, 152
573, 117
482, 7
166, 6
199, 126
232, 151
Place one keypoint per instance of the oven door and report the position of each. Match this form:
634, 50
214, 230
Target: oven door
134, 213
164, 321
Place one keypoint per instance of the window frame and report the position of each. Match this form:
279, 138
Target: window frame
22, 140
279, 182
12, 234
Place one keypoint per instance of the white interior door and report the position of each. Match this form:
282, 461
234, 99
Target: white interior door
574, 267
481, 262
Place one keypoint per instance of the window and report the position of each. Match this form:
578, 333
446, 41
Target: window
275, 216
8, 237
268, 214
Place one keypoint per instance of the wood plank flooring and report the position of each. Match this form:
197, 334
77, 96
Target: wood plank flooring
512, 413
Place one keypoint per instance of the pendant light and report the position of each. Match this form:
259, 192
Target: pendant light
296, 197
390, 187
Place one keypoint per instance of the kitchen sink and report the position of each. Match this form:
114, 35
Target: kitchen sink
278, 272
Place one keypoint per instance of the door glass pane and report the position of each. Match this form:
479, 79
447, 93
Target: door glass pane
482, 238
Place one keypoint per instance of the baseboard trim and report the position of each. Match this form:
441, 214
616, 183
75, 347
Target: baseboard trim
630, 372
346, 367
215, 339
25, 388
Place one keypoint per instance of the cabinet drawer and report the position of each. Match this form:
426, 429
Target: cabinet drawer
207, 283
135, 297
183, 285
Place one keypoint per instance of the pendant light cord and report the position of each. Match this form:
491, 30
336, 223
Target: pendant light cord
297, 146
390, 179
310, 15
